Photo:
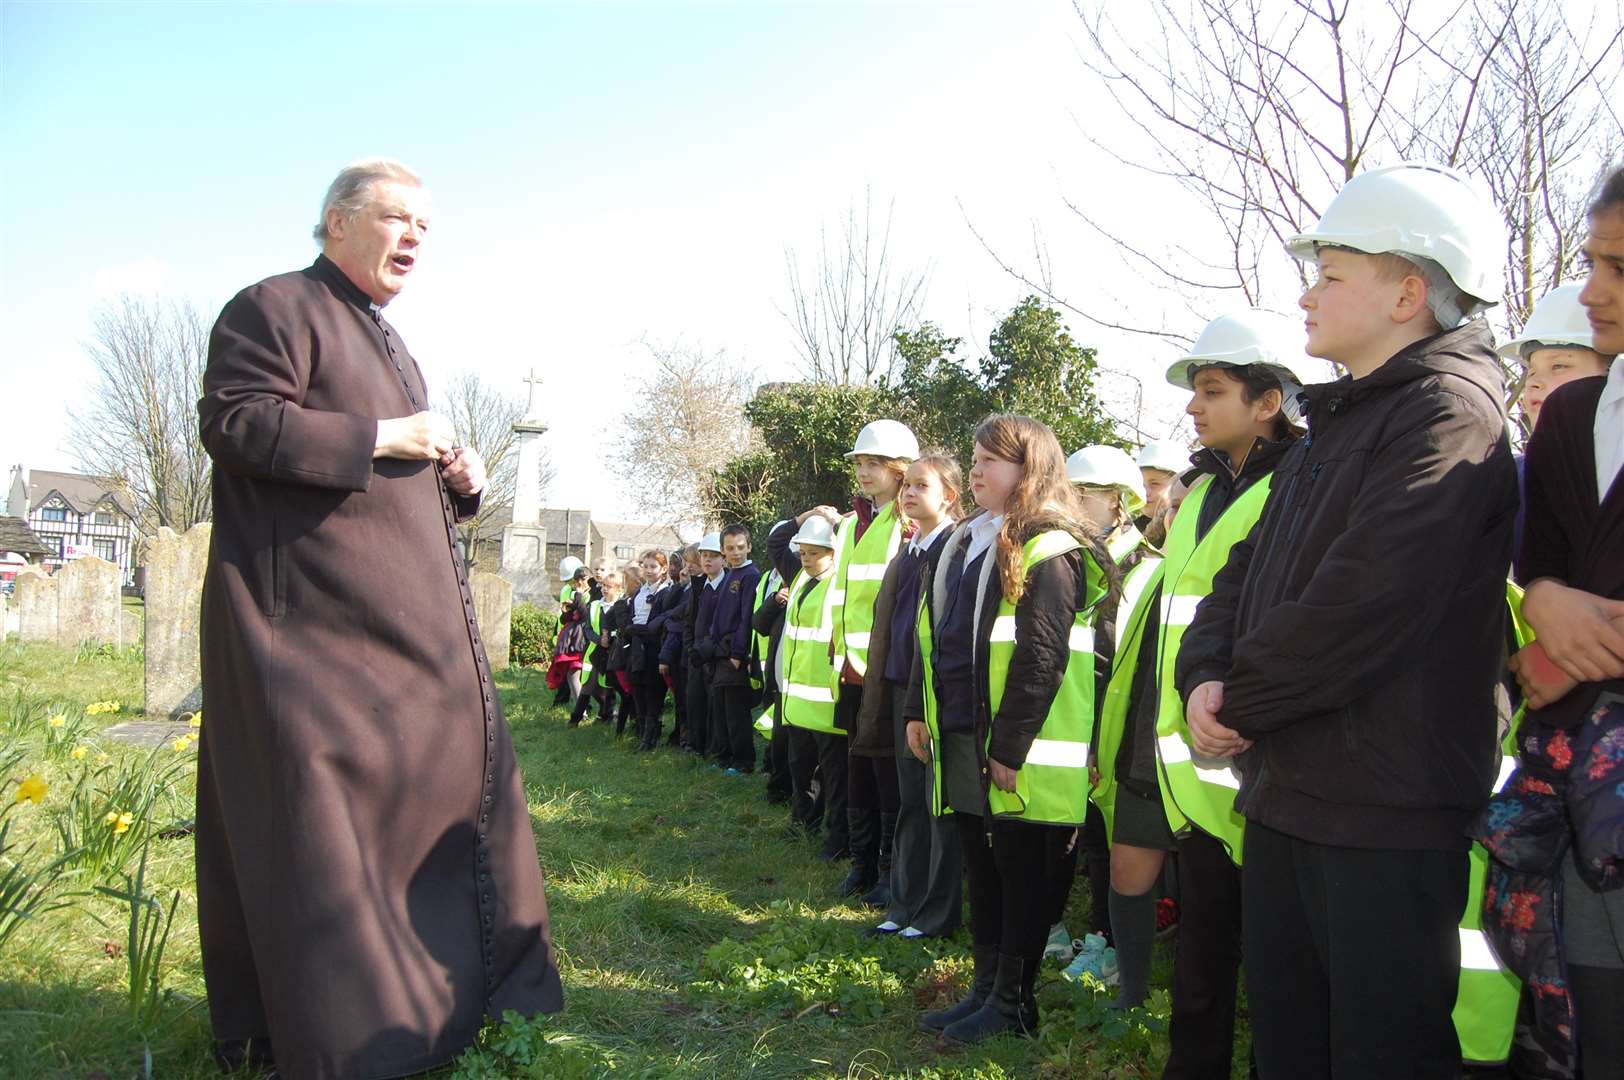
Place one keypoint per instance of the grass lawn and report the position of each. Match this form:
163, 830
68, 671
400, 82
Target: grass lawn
694, 939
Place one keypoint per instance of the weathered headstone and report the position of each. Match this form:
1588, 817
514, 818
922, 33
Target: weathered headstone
174, 597
493, 607
87, 602
5, 616
129, 627
36, 605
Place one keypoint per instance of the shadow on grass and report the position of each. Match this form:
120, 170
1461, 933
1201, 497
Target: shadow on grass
65, 1030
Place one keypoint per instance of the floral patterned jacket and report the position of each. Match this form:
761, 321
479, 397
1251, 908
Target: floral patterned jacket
1568, 791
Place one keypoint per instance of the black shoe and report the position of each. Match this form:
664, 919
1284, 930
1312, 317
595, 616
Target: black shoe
858, 881
1010, 1007
879, 897
986, 972
833, 852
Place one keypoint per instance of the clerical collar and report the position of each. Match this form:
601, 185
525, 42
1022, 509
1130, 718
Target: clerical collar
329, 271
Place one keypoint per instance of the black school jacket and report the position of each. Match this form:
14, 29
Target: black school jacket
1359, 630
1055, 591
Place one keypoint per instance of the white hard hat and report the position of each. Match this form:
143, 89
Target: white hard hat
710, 542
1558, 319
887, 439
1428, 211
567, 568
1253, 336
1107, 466
815, 530
1168, 455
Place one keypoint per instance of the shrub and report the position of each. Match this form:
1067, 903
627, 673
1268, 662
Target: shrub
532, 634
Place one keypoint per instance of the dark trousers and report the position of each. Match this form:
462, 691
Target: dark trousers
801, 747
1008, 900
776, 760
731, 740
649, 692
1352, 958
927, 861
832, 785
698, 709
1206, 963
1066, 846
871, 784
1096, 850
679, 701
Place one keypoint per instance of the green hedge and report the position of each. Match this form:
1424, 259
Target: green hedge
532, 635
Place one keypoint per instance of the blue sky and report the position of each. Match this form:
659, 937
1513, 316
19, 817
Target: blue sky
601, 174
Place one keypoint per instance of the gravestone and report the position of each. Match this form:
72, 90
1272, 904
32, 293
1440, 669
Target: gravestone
493, 607
36, 605
174, 595
129, 627
5, 616
87, 602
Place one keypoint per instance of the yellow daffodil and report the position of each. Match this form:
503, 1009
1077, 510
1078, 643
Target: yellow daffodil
181, 744
58, 720
196, 720
78, 752
33, 789
102, 759
119, 823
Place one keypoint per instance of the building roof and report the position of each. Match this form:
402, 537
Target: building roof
639, 534
81, 492
579, 522
15, 535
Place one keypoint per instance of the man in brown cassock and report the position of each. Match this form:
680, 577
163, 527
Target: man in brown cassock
368, 888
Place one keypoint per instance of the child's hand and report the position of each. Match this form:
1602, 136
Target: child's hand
781, 597
1581, 633
919, 741
1210, 738
1002, 775
1542, 682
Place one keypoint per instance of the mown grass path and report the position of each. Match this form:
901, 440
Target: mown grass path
695, 939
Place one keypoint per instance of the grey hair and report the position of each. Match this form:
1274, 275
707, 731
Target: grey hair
352, 188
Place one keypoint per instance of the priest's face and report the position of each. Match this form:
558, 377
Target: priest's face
378, 247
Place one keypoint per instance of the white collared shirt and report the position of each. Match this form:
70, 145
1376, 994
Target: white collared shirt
921, 544
643, 602
1609, 429
715, 582
983, 531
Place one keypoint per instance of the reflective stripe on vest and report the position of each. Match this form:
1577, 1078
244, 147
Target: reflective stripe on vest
1486, 998
594, 617
759, 642
1052, 785
1196, 792
1124, 543
859, 568
1143, 585
810, 680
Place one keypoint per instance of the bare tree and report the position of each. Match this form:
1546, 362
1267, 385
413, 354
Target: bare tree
1257, 111
846, 310
483, 418
691, 424
139, 430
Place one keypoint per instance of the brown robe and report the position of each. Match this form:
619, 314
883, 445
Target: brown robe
368, 888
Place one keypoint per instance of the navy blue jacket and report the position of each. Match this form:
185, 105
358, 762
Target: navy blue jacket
674, 618
696, 632
730, 624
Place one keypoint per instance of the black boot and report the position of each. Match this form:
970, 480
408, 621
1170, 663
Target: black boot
880, 895
864, 843
1010, 1007
986, 970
